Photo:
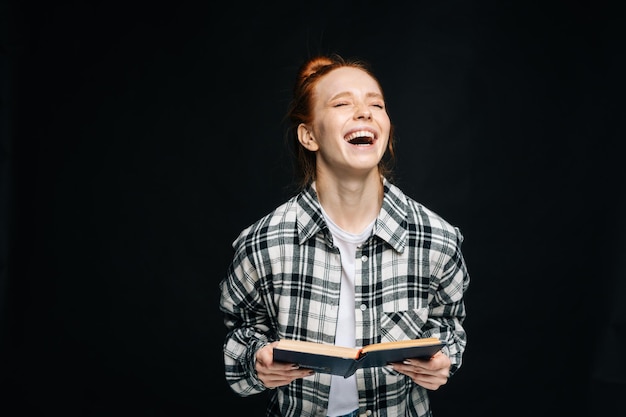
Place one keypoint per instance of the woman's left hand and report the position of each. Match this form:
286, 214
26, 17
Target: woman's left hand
429, 373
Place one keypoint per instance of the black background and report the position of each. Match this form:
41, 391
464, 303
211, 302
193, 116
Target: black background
139, 139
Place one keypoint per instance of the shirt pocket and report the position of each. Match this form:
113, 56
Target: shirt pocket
402, 325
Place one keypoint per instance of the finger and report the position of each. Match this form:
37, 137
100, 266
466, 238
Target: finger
429, 381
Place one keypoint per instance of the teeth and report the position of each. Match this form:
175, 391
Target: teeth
360, 134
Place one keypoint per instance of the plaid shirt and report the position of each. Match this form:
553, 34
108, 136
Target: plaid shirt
284, 282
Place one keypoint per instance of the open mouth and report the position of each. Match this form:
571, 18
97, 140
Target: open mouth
361, 137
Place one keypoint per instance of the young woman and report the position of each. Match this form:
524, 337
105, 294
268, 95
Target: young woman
350, 260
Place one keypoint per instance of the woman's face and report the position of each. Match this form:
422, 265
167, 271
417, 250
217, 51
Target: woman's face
350, 127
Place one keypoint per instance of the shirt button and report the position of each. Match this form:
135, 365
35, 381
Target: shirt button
363, 307
363, 258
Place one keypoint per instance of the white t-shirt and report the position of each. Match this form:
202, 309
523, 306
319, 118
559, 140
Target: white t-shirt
344, 397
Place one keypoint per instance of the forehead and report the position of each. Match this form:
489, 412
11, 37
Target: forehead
346, 80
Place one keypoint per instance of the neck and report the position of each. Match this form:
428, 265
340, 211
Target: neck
352, 205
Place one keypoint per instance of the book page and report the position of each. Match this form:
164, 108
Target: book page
398, 344
318, 348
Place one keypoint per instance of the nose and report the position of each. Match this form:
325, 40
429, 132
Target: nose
363, 112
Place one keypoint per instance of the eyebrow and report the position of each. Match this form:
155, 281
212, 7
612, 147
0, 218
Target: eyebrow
347, 93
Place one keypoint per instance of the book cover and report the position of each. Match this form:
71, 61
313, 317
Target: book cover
344, 361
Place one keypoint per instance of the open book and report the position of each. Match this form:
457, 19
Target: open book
339, 360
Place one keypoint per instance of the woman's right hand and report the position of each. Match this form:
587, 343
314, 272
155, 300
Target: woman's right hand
276, 374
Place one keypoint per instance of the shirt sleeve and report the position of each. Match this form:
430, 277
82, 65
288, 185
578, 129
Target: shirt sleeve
247, 322
447, 307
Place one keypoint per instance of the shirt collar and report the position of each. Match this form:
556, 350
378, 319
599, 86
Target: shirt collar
390, 226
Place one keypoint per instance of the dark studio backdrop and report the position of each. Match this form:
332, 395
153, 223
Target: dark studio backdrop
138, 140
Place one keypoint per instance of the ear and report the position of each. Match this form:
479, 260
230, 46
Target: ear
305, 136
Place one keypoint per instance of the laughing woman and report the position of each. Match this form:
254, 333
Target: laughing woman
350, 261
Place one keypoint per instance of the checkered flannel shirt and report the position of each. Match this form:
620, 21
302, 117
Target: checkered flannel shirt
284, 282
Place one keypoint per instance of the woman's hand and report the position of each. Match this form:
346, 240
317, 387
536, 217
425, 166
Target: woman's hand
429, 373
276, 374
